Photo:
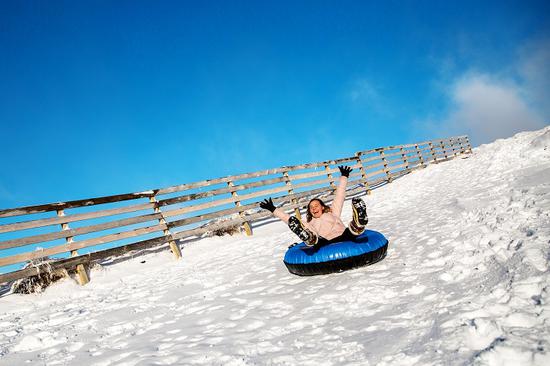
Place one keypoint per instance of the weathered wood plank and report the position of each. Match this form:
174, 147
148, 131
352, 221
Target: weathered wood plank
425, 149
378, 149
210, 182
381, 163
379, 182
400, 173
440, 157
394, 167
207, 205
369, 159
398, 153
73, 204
415, 161
444, 159
214, 215
410, 153
318, 173
377, 172
72, 218
13, 243
370, 151
219, 191
75, 245
396, 159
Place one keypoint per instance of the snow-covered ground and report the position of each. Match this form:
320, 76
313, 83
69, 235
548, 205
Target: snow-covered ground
466, 281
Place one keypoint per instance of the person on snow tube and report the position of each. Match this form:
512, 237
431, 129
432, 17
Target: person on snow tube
324, 225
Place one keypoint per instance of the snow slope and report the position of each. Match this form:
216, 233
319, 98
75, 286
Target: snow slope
466, 281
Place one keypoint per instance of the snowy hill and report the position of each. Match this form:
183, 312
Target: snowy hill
466, 281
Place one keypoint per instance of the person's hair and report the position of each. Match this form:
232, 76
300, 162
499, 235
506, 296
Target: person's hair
309, 216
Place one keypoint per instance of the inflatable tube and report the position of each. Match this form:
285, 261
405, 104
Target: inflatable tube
370, 247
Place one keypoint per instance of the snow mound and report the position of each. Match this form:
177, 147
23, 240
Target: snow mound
466, 281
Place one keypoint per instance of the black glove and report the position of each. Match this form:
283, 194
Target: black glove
267, 204
345, 170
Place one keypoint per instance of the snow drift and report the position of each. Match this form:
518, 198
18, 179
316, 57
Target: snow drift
465, 281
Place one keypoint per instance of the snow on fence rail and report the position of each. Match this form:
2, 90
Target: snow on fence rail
111, 226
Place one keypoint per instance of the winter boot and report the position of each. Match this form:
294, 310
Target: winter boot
360, 218
309, 238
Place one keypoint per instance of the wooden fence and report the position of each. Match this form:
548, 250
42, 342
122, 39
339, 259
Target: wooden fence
110, 226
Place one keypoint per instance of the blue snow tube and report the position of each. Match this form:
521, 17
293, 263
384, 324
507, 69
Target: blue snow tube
370, 247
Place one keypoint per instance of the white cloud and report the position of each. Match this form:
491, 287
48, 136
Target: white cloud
487, 106
362, 90
534, 69
488, 109
366, 95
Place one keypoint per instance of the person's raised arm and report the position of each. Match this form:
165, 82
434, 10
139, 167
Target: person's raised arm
267, 204
340, 193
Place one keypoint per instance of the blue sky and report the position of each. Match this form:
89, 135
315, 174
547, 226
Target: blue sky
105, 97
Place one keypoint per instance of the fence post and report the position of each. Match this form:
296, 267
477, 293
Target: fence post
329, 175
420, 157
433, 152
386, 170
363, 174
468, 144
175, 247
458, 146
453, 143
443, 148
80, 269
404, 156
246, 225
288, 183
464, 145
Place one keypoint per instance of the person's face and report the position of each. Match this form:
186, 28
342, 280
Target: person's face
315, 209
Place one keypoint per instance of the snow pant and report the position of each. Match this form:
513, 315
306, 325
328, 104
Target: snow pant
347, 235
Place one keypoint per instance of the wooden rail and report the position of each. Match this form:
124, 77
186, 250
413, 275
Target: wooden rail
113, 225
